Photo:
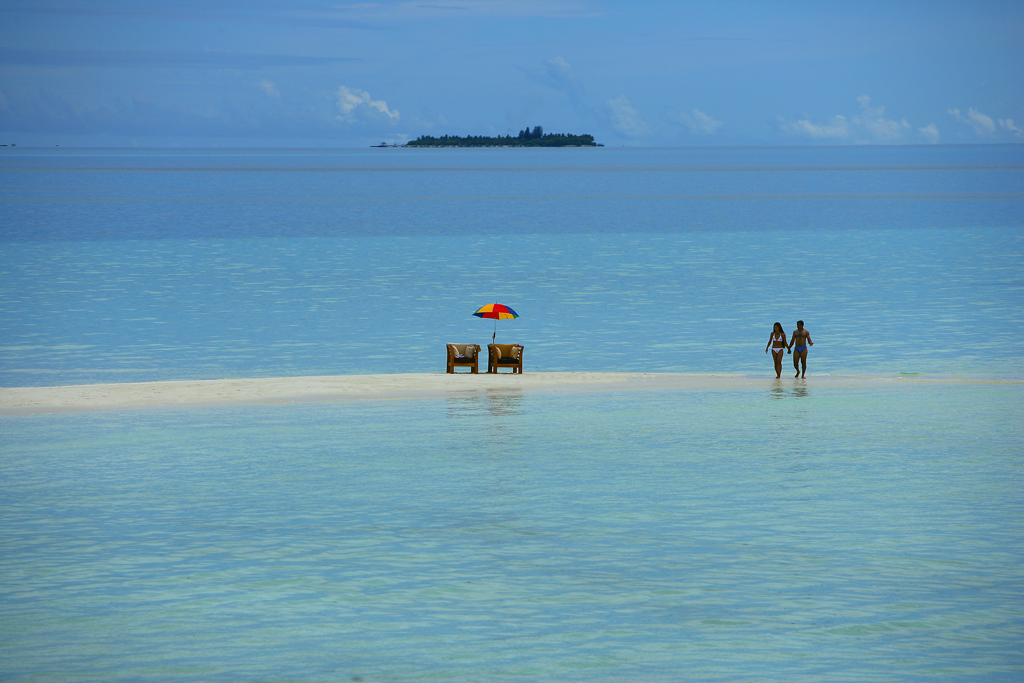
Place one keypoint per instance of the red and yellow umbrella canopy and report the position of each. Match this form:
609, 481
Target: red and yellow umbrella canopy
497, 312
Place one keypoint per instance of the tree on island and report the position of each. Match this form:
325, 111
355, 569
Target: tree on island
526, 138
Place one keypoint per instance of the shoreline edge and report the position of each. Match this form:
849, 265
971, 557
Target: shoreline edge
269, 390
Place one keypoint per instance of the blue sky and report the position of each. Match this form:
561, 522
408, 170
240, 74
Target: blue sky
347, 74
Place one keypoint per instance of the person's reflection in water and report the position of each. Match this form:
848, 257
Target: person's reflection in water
778, 391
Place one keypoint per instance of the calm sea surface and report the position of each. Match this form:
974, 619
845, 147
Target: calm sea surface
787, 533
127, 266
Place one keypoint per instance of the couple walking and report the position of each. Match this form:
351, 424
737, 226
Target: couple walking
777, 343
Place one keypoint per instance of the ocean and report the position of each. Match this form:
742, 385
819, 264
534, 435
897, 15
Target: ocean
790, 532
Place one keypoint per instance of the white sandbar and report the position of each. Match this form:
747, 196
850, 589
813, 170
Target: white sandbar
86, 397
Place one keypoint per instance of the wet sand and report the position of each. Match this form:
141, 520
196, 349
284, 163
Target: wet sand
88, 397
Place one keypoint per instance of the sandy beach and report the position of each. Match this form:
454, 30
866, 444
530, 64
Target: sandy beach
90, 397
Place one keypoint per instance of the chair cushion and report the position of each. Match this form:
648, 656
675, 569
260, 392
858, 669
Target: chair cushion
463, 350
507, 350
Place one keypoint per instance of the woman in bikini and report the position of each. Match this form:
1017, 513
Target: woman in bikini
777, 343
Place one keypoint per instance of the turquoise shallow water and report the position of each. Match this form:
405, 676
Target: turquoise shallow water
85, 312
786, 533
140, 265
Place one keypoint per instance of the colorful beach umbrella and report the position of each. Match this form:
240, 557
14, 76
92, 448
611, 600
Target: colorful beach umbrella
498, 312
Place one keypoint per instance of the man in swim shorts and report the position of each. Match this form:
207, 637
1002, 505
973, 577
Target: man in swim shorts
799, 341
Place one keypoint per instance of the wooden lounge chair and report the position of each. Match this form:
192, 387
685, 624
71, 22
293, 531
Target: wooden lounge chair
506, 356
463, 356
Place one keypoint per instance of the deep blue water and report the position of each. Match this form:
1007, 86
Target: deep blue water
789, 532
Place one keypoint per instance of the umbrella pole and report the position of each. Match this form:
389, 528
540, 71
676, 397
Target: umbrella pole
495, 333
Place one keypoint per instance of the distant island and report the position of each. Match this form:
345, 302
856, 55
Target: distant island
526, 138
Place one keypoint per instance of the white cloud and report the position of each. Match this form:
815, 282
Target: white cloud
835, 128
560, 71
868, 126
699, 122
883, 129
269, 88
931, 132
982, 124
626, 119
355, 103
1006, 124
559, 75
44, 113
874, 121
